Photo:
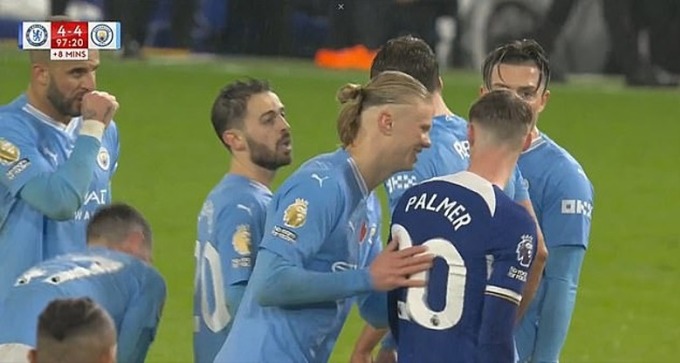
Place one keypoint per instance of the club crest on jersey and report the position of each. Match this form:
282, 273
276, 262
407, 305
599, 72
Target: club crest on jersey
104, 159
8, 152
241, 240
295, 214
525, 250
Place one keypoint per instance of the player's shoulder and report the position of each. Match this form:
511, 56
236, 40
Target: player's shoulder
510, 212
465, 180
558, 162
319, 175
13, 119
234, 190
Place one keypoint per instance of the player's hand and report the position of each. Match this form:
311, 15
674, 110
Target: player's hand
386, 356
99, 106
392, 268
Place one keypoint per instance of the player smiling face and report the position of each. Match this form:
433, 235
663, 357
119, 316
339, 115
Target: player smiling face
267, 132
523, 79
69, 81
412, 125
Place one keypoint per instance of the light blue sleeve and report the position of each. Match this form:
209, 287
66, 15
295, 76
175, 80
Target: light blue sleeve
300, 219
24, 171
373, 309
234, 296
521, 192
560, 283
566, 217
115, 140
277, 282
425, 168
58, 195
234, 229
140, 324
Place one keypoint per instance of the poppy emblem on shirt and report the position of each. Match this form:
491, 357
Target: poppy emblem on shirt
363, 231
8, 152
103, 159
241, 240
295, 214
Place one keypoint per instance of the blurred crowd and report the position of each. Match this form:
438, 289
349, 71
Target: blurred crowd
643, 36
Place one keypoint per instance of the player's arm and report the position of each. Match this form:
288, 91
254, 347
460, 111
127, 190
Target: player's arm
512, 252
537, 266
234, 238
140, 324
290, 242
296, 228
566, 221
61, 193
26, 175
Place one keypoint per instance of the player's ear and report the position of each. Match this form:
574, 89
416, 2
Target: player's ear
471, 134
40, 74
235, 139
483, 91
134, 245
544, 101
385, 121
109, 356
527, 142
32, 356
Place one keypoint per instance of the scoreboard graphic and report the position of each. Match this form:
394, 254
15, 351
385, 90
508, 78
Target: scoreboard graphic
69, 40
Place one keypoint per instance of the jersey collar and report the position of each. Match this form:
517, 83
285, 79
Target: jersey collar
357, 176
42, 117
535, 143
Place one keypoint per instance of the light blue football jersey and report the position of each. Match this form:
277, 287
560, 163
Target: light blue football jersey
324, 219
230, 227
563, 197
131, 291
561, 193
32, 145
449, 154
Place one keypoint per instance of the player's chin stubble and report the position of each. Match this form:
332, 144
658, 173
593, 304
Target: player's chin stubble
265, 157
62, 104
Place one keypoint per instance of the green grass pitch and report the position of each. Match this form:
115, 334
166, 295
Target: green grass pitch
627, 141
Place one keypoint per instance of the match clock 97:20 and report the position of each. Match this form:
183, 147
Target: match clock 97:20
69, 35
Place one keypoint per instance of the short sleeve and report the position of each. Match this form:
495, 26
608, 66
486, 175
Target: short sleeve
514, 246
234, 239
566, 216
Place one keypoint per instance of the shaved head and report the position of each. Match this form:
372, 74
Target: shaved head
74, 331
39, 56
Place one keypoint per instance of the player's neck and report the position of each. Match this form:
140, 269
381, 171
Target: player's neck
440, 107
535, 133
496, 166
252, 172
43, 105
370, 164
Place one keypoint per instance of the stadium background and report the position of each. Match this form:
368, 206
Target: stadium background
626, 139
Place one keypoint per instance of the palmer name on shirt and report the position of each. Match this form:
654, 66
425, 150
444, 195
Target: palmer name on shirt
452, 210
